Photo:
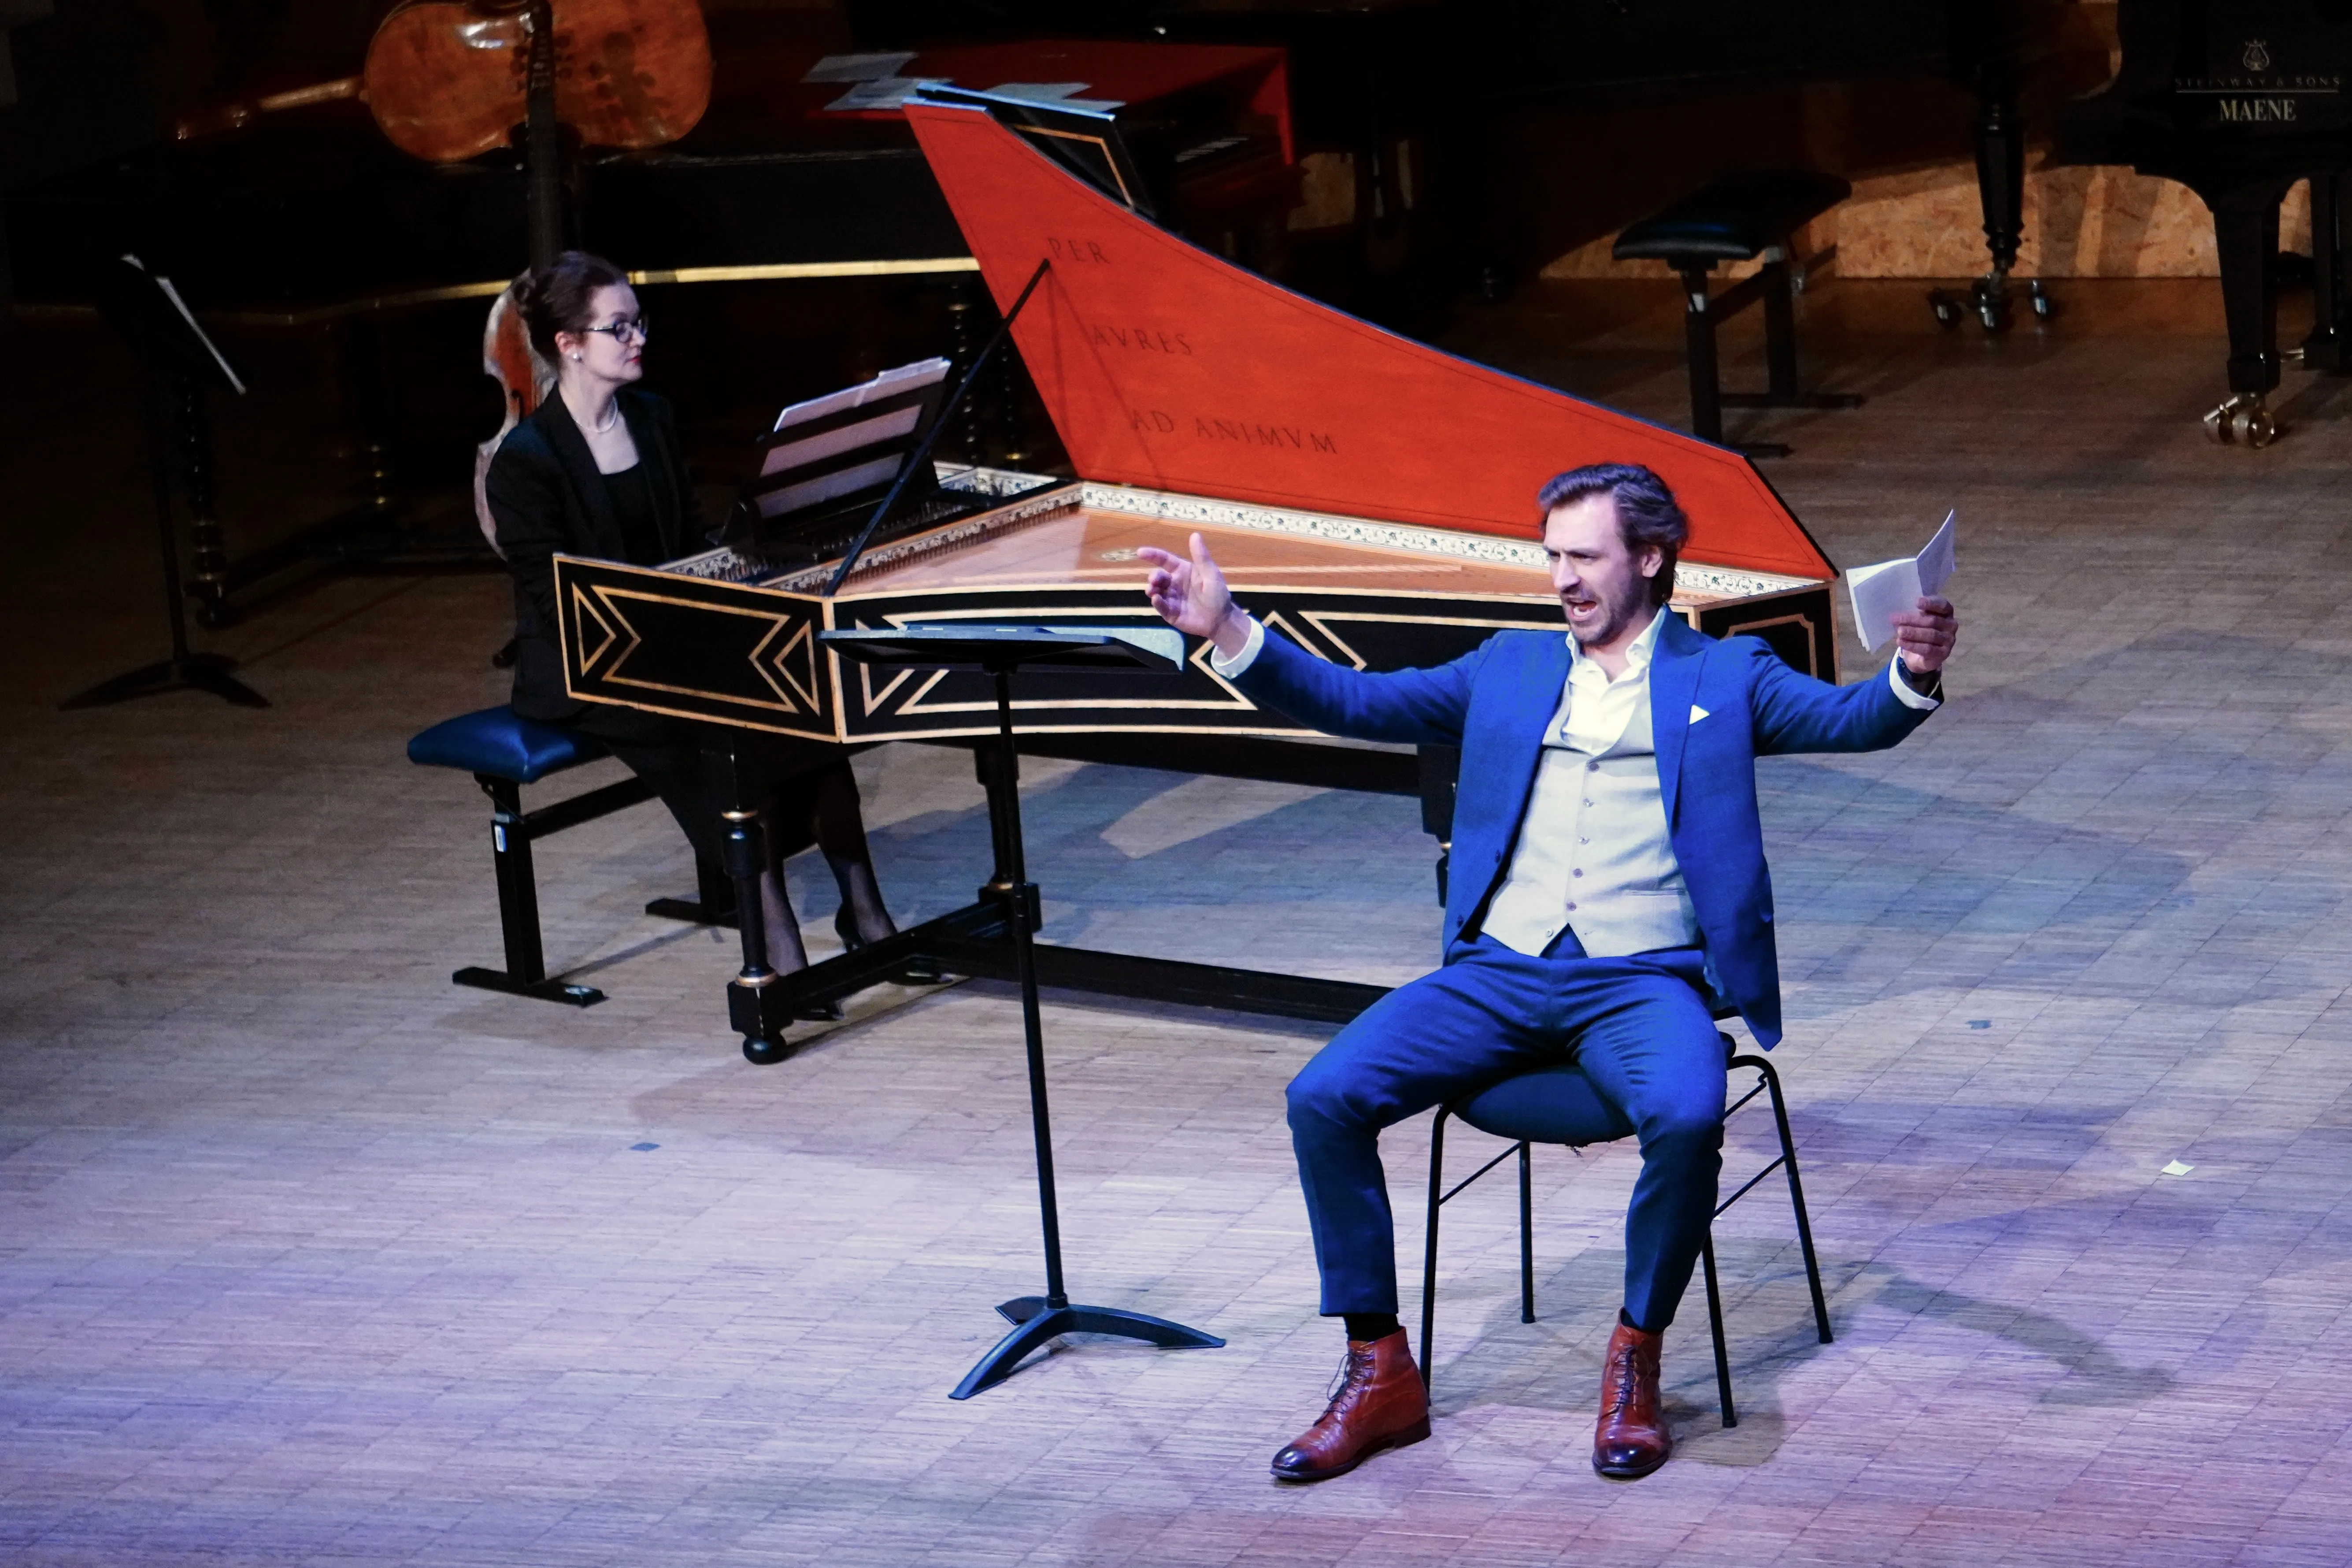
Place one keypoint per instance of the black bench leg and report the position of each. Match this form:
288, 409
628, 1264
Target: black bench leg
1705, 378
1780, 336
526, 971
1777, 284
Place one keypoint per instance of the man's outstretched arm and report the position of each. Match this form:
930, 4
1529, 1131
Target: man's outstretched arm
1797, 713
1423, 707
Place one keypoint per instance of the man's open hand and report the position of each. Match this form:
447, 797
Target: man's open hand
1924, 636
1191, 596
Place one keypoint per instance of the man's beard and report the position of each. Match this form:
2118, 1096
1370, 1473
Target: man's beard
1631, 611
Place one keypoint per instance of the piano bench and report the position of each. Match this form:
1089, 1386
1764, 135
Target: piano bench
1739, 218
505, 751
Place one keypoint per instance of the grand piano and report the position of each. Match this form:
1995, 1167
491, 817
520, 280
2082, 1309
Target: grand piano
2237, 100
1370, 497
1366, 72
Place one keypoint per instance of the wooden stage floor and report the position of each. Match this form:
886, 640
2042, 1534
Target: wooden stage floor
308, 1256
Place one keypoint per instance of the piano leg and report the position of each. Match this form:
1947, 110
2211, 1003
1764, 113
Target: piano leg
2328, 347
2000, 132
758, 1005
2245, 231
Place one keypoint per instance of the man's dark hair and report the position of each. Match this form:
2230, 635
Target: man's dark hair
558, 298
1647, 515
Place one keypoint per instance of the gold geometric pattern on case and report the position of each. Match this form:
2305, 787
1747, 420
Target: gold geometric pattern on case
1199, 661
1750, 628
1321, 620
610, 596
799, 682
873, 699
1277, 622
583, 612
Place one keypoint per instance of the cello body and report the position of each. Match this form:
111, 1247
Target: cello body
524, 379
448, 79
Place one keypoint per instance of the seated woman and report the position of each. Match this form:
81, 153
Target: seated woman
596, 471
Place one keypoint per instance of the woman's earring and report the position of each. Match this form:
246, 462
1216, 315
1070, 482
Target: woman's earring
575, 358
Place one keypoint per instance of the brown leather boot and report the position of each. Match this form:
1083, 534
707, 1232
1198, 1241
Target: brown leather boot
1378, 1404
1632, 1439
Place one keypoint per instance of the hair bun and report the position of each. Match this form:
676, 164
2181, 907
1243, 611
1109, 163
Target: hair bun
559, 298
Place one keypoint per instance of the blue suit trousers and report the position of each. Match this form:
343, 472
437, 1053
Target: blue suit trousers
1638, 1027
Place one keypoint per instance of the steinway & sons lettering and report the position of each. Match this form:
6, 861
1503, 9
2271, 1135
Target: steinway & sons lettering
2256, 110
2263, 98
1244, 432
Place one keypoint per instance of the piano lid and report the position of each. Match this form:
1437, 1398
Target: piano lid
1165, 367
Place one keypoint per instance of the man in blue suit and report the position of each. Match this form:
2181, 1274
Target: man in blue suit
1608, 886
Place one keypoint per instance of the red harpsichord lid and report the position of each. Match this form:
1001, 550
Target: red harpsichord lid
1166, 367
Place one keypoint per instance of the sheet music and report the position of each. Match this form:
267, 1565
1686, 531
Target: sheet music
1040, 91
882, 92
783, 450
1881, 592
1065, 93
859, 68
899, 378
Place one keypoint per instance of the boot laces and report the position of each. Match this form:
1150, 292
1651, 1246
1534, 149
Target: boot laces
1354, 1365
1623, 1379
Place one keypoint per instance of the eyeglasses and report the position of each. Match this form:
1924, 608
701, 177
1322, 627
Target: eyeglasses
627, 330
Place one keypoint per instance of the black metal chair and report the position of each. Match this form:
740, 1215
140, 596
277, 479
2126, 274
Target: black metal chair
1559, 1105
1739, 218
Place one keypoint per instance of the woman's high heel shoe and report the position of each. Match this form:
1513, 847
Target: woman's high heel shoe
916, 971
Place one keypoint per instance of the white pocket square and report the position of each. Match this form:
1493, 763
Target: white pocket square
1697, 713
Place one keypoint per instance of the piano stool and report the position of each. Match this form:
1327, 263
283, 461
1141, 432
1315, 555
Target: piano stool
1557, 1105
505, 751
1739, 218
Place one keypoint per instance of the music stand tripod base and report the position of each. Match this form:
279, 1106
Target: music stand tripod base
207, 673
998, 650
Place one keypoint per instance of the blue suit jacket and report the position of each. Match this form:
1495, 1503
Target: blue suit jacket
1495, 701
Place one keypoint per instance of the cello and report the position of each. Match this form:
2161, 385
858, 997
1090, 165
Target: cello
447, 80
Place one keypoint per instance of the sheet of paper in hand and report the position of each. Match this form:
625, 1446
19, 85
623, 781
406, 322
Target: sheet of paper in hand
1884, 591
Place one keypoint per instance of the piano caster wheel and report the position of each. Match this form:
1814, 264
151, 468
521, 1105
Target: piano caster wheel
1946, 307
2242, 421
2044, 306
763, 1052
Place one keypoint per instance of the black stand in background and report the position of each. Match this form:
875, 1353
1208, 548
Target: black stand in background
178, 358
999, 650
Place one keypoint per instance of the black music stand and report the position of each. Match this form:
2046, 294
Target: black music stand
998, 650
174, 353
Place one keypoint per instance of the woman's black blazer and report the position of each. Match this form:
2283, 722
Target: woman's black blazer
546, 496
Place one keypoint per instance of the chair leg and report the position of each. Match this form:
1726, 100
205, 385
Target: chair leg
1780, 334
1527, 1237
1429, 1249
1796, 1195
1715, 1326
1698, 335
